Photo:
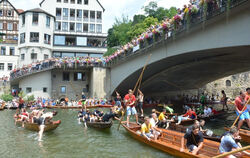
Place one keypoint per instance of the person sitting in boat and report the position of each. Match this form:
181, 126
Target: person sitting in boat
228, 143
111, 114
194, 140
202, 124
207, 111
146, 129
244, 114
154, 123
163, 119
190, 114
214, 112
45, 118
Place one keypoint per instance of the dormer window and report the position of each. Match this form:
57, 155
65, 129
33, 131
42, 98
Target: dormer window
86, 2
9, 13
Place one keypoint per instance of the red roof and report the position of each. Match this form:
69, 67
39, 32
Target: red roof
20, 10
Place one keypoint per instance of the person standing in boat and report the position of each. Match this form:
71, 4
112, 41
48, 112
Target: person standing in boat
228, 143
118, 100
130, 105
244, 114
140, 101
248, 97
224, 99
194, 140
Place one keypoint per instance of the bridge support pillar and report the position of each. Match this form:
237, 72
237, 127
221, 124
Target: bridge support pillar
100, 82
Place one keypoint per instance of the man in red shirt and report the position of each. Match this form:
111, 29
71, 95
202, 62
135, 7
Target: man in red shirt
191, 114
244, 114
248, 97
130, 105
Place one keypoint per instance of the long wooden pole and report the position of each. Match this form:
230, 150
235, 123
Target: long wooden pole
139, 79
120, 121
232, 152
241, 113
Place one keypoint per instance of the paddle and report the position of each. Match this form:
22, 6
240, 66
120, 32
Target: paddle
120, 120
232, 152
241, 112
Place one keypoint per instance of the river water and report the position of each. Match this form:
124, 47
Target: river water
71, 140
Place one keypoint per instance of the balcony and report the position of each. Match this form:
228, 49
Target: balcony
58, 17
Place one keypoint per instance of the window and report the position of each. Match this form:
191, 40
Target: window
72, 26
45, 89
23, 19
92, 28
58, 26
22, 56
72, 1
10, 26
92, 15
9, 13
85, 15
47, 21
85, 27
1, 12
86, 2
66, 1
68, 55
46, 56
72, 14
35, 19
79, 14
81, 41
63, 89
79, 27
65, 76
28, 89
3, 50
34, 37
22, 37
33, 56
99, 15
78, 76
79, 1
65, 26
2, 66
1, 25
58, 12
10, 66
65, 12
99, 28
9, 37
228, 83
57, 54
58, 1
59, 40
47, 39
12, 51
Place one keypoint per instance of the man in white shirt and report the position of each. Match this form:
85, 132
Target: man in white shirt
153, 121
207, 111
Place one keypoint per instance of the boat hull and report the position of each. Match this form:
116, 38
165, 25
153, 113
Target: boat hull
35, 127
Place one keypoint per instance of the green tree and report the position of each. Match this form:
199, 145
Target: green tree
110, 51
138, 19
6, 97
151, 8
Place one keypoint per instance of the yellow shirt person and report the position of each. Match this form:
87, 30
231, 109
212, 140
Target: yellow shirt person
161, 117
145, 128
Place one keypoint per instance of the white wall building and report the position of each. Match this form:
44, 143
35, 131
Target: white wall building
78, 27
8, 38
35, 36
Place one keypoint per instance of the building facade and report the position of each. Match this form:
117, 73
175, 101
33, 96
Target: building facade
8, 37
62, 28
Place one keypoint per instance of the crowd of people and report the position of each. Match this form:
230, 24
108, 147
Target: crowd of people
65, 62
196, 10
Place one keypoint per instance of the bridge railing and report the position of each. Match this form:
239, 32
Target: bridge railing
16, 74
178, 27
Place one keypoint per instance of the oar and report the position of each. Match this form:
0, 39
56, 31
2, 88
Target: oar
232, 152
120, 120
139, 79
241, 112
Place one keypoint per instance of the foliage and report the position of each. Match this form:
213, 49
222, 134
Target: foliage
138, 19
22, 94
110, 51
30, 98
6, 97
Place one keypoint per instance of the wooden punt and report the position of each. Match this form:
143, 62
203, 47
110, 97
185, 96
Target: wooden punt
218, 115
100, 125
2, 107
183, 129
35, 127
244, 134
170, 142
78, 107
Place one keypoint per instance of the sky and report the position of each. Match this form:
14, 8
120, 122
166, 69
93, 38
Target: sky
113, 8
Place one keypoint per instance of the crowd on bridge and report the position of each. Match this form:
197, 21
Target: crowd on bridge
65, 62
195, 11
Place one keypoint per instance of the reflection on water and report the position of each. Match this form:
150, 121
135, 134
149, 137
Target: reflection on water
73, 140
